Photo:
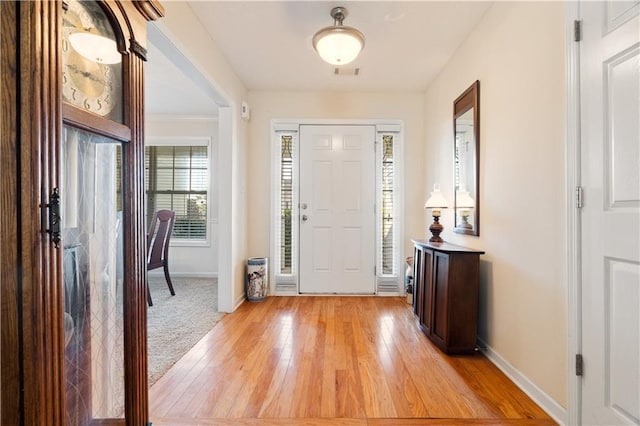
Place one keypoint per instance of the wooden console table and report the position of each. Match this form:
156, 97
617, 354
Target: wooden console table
445, 294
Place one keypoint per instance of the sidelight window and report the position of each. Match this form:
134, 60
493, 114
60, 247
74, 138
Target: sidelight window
286, 202
389, 194
387, 240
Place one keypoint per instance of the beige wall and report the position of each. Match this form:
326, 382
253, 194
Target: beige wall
266, 106
517, 53
192, 260
182, 27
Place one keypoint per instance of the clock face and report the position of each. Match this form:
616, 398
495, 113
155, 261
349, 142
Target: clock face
86, 83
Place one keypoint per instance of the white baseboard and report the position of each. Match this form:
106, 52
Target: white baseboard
548, 404
159, 273
239, 301
285, 293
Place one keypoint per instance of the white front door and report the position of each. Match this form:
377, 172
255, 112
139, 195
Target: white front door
610, 156
337, 218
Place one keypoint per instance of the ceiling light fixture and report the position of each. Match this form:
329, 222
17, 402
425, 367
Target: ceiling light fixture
337, 44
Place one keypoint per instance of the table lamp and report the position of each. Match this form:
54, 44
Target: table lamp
464, 203
436, 203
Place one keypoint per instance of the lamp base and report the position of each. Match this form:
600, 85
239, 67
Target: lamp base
435, 229
465, 221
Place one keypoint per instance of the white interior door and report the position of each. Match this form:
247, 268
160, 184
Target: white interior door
610, 140
337, 218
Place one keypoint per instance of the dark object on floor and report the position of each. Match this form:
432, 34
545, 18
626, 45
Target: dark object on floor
158, 246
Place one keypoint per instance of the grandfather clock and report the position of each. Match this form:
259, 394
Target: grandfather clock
72, 251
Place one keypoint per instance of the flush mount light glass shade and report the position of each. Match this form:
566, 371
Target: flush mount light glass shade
95, 47
338, 45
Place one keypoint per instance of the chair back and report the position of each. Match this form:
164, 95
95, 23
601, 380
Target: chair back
158, 238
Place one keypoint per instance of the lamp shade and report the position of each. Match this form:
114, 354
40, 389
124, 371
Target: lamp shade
337, 44
464, 200
436, 200
95, 47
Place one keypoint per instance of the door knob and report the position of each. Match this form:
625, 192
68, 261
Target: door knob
304, 218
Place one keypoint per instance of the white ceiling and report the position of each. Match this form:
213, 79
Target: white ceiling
268, 44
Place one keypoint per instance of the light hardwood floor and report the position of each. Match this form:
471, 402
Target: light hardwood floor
332, 361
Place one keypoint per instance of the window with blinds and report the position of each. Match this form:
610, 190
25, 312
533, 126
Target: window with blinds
387, 244
286, 204
177, 178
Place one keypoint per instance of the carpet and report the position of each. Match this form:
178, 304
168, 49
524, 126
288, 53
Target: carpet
176, 323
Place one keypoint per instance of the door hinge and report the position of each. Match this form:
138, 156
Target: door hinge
579, 365
577, 30
579, 197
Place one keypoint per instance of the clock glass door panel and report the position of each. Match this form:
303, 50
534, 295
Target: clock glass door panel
91, 62
92, 217
93, 276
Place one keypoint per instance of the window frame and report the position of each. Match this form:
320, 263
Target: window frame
390, 282
191, 141
288, 280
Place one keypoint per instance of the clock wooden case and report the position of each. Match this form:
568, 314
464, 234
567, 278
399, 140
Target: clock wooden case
72, 258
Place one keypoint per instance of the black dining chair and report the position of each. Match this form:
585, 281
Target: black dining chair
158, 246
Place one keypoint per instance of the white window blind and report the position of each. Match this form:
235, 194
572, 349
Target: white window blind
286, 229
286, 204
386, 219
177, 178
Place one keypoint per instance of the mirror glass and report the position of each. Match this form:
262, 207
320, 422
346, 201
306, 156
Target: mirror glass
466, 161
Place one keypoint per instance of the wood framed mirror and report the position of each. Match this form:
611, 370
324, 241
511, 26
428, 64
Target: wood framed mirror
466, 130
